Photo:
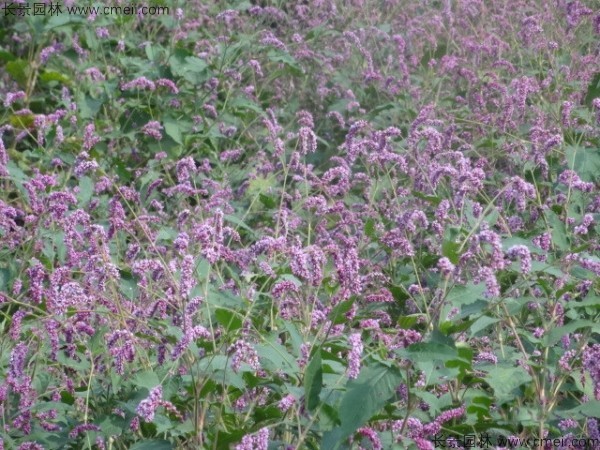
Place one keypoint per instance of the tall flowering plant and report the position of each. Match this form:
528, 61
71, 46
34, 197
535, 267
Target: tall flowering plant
285, 226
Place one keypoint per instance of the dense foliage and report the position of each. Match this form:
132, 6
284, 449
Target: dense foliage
367, 224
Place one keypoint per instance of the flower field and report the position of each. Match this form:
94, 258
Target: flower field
321, 224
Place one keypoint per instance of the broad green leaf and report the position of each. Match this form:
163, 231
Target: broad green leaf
166, 234
287, 59
217, 368
337, 314
431, 351
172, 129
504, 380
53, 75
556, 333
128, 287
275, 357
482, 323
268, 201
147, 379
6, 56
86, 191
365, 397
154, 444
370, 229
465, 295
313, 381
584, 161
18, 69
593, 90
237, 221
587, 409
229, 320
244, 103
88, 107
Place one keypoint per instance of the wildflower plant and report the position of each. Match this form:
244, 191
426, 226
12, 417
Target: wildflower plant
324, 224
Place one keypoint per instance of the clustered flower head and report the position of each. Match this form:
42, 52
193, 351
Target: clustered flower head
257, 441
354, 356
153, 129
591, 363
147, 407
360, 216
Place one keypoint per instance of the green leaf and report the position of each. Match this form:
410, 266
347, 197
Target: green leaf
217, 368
128, 287
587, 409
287, 59
63, 19
555, 334
504, 380
431, 351
584, 161
172, 129
191, 68
86, 191
268, 201
482, 323
237, 221
275, 356
313, 381
370, 229
337, 314
593, 90
228, 319
53, 75
465, 295
365, 397
166, 234
147, 379
154, 444
243, 103
17, 69
6, 56
88, 107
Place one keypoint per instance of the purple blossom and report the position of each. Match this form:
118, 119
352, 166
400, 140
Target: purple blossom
354, 356
152, 129
139, 83
445, 266
12, 97
46, 52
17, 363
187, 281
489, 357
521, 252
258, 441
121, 345
591, 363
491, 283
371, 435
94, 74
243, 352
570, 178
582, 228
82, 428
543, 241
15, 326
90, 138
286, 402
30, 446
164, 82
520, 191
308, 140
102, 32
147, 407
